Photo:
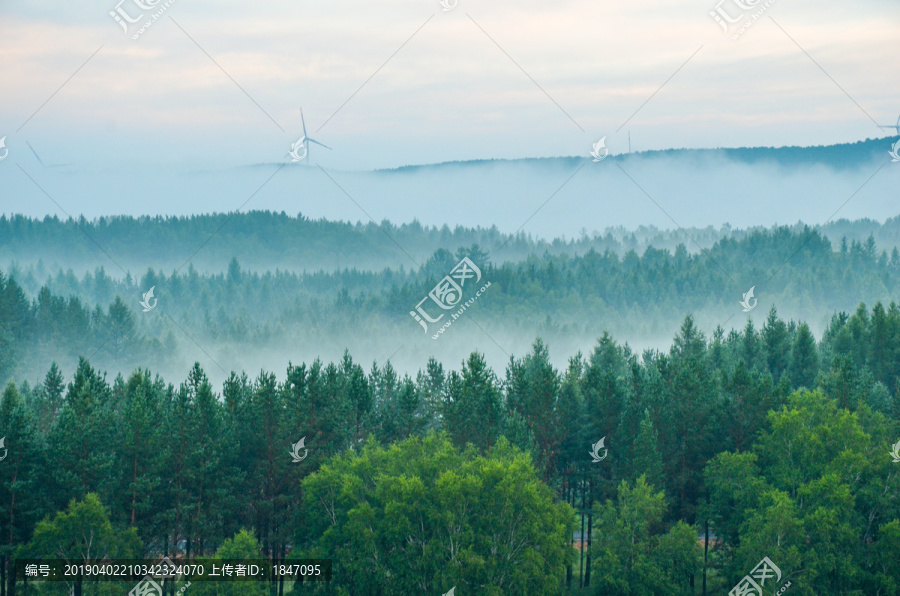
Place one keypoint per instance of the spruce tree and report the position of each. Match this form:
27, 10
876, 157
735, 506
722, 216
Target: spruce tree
647, 459
804, 358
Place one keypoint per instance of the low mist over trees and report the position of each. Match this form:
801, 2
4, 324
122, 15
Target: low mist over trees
565, 299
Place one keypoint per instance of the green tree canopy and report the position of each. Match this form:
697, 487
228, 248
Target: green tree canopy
634, 555
420, 517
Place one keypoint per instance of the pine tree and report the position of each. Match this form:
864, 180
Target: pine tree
431, 385
140, 449
647, 460
688, 404
604, 387
411, 417
49, 400
777, 344
359, 394
121, 329
532, 391
21, 483
804, 358
750, 348
473, 408
83, 439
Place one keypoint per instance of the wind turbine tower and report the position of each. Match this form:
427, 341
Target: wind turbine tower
896, 127
41, 161
303, 144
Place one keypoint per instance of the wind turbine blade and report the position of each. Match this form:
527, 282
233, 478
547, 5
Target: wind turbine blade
35, 154
302, 121
318, 143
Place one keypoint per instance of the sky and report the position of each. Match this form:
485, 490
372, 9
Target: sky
198, 113
391, 83
160, 120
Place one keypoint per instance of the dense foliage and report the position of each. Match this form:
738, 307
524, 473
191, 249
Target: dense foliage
420, 518
268, 241
777, 442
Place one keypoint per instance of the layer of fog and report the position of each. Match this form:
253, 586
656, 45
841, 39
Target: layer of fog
408, 348
548, 198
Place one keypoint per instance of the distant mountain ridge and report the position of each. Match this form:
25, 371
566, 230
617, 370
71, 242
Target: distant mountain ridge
397, 218
840, 156
267, 240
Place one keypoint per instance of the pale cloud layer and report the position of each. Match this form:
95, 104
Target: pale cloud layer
450, 93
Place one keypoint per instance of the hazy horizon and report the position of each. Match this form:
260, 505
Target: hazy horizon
392, 83
548, 198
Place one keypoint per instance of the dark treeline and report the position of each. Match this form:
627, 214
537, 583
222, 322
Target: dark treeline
774, 442
554, 296
296, 243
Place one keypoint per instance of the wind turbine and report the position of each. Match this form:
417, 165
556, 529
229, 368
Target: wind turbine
896, 127
303, 144
58, 165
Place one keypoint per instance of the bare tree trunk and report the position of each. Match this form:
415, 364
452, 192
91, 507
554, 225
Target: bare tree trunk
581, 540
281, 577
133, 491
590, 526
705, 552
569, 497
9, 571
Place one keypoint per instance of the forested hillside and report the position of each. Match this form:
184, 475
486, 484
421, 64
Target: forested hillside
774, 442
594, 468
241, 319
264, 241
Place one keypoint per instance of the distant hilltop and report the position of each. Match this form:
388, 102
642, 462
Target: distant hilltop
840, 157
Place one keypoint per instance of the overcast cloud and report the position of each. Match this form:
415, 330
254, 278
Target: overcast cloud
450, 93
